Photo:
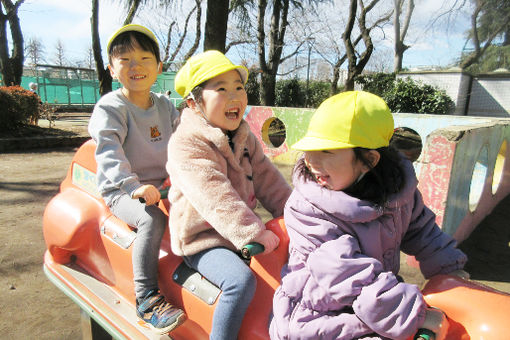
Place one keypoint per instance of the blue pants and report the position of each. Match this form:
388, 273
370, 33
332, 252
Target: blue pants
151, 224
237, 282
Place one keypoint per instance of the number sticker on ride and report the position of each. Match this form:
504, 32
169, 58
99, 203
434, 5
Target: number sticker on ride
85, 179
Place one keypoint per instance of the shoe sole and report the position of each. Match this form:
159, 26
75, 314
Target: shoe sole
180, 319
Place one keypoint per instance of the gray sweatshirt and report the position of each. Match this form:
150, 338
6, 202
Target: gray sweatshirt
131, 143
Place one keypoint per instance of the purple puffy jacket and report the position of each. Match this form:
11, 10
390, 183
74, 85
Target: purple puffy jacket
340, 281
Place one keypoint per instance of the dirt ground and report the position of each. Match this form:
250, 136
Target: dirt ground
32, 307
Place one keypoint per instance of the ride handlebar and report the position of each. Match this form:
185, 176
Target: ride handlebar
251, 249
424, 334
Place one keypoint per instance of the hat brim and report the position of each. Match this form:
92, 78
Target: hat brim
309, 143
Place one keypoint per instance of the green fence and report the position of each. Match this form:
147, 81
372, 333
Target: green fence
67, 86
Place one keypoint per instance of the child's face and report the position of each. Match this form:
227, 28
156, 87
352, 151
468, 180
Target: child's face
224, 100
335, 169
136, 70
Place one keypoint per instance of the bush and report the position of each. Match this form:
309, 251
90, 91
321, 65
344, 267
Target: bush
318, 92
9, 119
288, 93
376, 83
407, 95
412, 97
252, 88
18, 106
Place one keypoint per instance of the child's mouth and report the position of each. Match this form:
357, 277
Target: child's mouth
322, 180
138, 77
232, 114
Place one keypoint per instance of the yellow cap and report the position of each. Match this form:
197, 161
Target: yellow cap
131, 28
202, 67
348, 120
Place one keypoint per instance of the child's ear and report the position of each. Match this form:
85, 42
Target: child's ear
191, 103
373, 157
160, 67
112, 72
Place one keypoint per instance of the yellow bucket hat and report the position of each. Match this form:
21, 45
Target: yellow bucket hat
131, 28
202, 67
348, 120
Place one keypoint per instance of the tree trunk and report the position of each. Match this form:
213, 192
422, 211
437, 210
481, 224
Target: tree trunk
269, 68
103, 74
215, 35
357, 64
132, 11
400, 35
11, 67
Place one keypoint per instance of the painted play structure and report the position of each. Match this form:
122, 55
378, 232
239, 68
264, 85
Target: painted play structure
462, 169
462, 172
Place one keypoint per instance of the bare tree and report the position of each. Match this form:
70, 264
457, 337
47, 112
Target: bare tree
401, 31
34, 50
89, 61
59, 57
170, 58
357, 61
11, 66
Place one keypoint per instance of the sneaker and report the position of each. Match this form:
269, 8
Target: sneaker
160, 315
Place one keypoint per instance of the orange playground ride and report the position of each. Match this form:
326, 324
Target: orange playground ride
89, 258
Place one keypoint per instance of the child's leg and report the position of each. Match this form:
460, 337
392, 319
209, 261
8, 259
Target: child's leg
225, 269
150, 223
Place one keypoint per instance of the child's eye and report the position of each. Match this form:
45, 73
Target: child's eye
240, 88
221, 89
326, 151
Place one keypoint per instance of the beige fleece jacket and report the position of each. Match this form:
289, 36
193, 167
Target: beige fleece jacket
215, 190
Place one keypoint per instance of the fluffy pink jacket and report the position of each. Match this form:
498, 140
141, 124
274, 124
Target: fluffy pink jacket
215, 190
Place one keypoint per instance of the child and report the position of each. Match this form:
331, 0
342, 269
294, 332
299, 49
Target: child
131, 127
218, 171
355, 205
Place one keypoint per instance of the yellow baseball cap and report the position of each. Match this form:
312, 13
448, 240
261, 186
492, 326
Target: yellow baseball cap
202, 67
131, 28
348, 120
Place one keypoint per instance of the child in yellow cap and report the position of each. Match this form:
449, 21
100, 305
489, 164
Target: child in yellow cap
218, 171
354, 207
131, 127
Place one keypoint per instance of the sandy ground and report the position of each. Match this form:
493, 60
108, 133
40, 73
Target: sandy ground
32, 307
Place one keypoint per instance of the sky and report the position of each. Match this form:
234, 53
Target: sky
69, 21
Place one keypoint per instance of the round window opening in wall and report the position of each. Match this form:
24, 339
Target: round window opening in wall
273, 132
498, 168
407, 141
478, 179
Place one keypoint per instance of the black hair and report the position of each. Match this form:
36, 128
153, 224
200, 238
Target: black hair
384, 179
197, 95
127, 41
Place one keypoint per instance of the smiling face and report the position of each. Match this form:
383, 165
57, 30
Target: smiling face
335, 169
136, 69
224, 100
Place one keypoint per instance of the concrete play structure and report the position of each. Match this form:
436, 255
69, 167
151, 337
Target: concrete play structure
462, 169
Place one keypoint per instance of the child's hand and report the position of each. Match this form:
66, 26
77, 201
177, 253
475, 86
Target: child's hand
268, 239
435, 320
149, 193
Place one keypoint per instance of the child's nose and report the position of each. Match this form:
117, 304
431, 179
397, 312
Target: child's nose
134, 63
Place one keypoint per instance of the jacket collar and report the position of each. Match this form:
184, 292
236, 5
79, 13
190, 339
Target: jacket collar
196, 125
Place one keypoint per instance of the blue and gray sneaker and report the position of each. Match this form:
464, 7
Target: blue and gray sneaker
160, 315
